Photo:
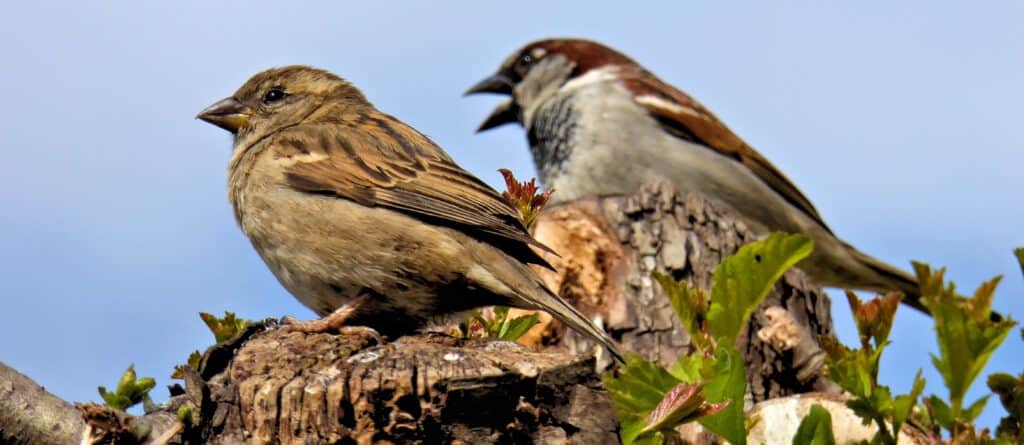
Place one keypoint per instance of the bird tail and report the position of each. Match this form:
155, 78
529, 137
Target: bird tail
566, 313
893, 278
521, 287
890, 278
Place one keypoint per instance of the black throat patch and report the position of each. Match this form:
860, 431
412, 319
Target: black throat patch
551, 136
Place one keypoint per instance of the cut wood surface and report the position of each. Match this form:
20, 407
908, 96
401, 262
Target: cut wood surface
608, 249
294, 388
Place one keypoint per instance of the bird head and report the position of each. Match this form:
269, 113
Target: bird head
283, 97
532, 74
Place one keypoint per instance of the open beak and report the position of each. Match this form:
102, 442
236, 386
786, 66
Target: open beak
498, 83
506, 112
228, 114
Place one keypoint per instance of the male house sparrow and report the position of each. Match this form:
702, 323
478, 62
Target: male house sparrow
365, 220
598, 123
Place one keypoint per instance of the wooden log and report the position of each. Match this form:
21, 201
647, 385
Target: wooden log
609, 246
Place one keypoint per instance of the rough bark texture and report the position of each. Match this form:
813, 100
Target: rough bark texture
30, 415
268, 386
295, 388
610, 246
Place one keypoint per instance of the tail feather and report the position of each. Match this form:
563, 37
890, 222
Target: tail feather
890, 278
894, 278
521, 287
566, 313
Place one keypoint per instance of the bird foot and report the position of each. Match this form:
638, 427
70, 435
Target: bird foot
335, 321
362, 330
291, 324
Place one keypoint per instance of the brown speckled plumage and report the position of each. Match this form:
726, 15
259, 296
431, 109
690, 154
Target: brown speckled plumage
351, 208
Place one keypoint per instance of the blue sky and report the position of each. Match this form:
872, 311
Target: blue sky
901, 122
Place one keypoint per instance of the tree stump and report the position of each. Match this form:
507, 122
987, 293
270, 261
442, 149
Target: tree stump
608, 248
295, 388
269, 386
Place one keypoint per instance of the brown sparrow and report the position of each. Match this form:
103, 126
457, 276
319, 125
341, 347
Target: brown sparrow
598, 123
365, 220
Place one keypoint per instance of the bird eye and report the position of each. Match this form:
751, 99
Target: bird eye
274, 95
523, 64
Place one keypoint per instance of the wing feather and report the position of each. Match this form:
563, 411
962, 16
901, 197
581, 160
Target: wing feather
385, 163
686, 118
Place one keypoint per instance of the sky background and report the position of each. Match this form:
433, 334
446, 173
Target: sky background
900, 122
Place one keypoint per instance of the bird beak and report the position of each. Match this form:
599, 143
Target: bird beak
497, 83
506, 112
228, 114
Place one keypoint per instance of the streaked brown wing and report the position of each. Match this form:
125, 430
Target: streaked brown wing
387, 164
686, 118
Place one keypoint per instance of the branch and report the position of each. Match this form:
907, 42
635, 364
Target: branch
30, 415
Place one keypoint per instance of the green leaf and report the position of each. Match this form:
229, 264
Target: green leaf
687, 368
881, 401
1002, 383
1010, 390
500, 315
742, 281
113, 399
225, 328
193, 361
691, 305
815, 428
966, 335
141, 388
497, 325
516, 327
904, 404
863, 408
493, 325
1019, 252
974, 410
636, 390
129, 391
727, 382
854, 370
941, 412
655, 438
185, 414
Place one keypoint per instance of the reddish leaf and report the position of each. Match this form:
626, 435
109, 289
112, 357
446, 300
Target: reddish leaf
686, 402
524, 197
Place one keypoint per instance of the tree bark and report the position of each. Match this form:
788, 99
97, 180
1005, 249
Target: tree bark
609, 246
293, 388
268, 386
271, 386
31, 415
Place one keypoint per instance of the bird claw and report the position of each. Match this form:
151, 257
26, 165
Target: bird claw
362, 330
335, 321
291, 324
